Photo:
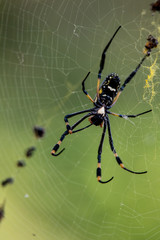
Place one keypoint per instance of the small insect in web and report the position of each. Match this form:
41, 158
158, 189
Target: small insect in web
155, 6
151, 43
21, 163
39, 131
107, 95
2, 211
7, 181
30, 151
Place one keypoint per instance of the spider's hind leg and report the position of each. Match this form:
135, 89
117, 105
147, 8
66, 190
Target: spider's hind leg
69, 128
99, 157
56, 147
115, 153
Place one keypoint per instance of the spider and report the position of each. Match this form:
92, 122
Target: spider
107, 95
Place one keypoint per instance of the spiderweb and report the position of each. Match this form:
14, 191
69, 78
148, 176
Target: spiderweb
47, 48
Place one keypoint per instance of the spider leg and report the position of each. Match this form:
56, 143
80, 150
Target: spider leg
83, 88
82, 128
115, 153
128, 116
99, 157
69, 129
56, 147
102, 62
128, 79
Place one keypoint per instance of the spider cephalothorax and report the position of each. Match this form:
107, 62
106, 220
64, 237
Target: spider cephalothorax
107, 94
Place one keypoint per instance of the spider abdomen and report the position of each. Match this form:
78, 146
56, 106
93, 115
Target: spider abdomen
97, 120
109, 88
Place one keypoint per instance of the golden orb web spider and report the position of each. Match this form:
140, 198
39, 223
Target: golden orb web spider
107, 94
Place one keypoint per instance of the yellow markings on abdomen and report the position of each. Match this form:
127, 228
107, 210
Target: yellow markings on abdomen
100, 91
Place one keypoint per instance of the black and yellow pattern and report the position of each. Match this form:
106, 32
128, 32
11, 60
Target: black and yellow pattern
107, 94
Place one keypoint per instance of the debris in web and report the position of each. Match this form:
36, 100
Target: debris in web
7, 181
155, 6
39, 131
152, 42
2, 211
21, 163
30, 151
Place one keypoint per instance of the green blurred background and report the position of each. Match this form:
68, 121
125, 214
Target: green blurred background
46, 49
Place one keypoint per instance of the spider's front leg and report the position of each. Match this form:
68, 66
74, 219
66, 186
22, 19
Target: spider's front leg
102, 61
99, 156
128, 79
